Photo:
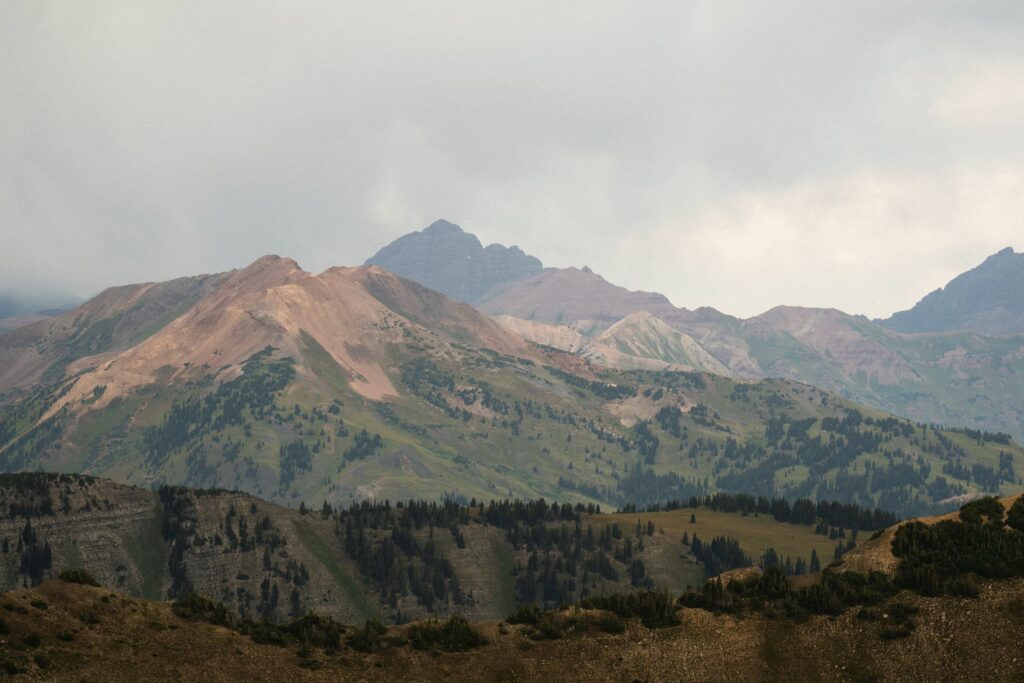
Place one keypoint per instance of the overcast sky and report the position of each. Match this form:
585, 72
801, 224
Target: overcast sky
738, 155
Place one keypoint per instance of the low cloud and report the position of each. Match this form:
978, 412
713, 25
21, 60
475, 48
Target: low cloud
730, 154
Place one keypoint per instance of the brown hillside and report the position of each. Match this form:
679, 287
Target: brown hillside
69, 632
113, 320
354, 314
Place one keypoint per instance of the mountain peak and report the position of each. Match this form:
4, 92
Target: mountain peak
988, 299
446, 258
441, 226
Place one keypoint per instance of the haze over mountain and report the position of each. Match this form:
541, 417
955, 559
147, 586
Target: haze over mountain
19, 302
446, 259
988, 299
964, 378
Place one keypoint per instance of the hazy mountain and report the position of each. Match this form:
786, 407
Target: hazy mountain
446, 259
988, 299
964, 379
115, 319
46, 301
355, 383
15, 321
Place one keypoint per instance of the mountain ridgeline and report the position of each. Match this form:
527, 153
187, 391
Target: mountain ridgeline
355, 384
398, 561
988, 300
959, 367
449, 260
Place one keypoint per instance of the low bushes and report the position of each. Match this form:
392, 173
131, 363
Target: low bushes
78, 576
454, 635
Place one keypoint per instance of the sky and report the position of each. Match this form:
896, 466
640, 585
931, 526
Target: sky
854, 155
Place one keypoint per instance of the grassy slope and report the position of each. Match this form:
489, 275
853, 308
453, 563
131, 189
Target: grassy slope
670, 563
428, 454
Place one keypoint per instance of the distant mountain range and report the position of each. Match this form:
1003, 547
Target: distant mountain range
356, 384
19, 303
988, 300
963, 370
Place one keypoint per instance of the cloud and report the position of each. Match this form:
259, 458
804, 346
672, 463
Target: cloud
733, 154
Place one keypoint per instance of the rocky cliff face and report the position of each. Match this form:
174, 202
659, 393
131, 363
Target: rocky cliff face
988, 300
445, 258
260, 559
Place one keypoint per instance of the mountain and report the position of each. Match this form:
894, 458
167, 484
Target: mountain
356, 384
15, 321
988, 300
446, 259
369, 561
47, 301
640, 341
116, 319
956, 378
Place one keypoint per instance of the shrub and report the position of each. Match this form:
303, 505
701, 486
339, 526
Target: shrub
935, 560
78, 576
454, 635
313, 630
976, 510
548, 627
897, 631
262, 633
195, 607
655, 609
527, 614
610, 623
368, 638
1015, 518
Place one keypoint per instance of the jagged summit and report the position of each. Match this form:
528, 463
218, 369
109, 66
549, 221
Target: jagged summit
452, 261
442, 227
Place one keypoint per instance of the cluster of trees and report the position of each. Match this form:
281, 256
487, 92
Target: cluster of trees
802, 511
605, 390
363, 446
396, 549
250, 396
641, 486
942, 558
36, 556
558, 558
294, 457
718, 555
